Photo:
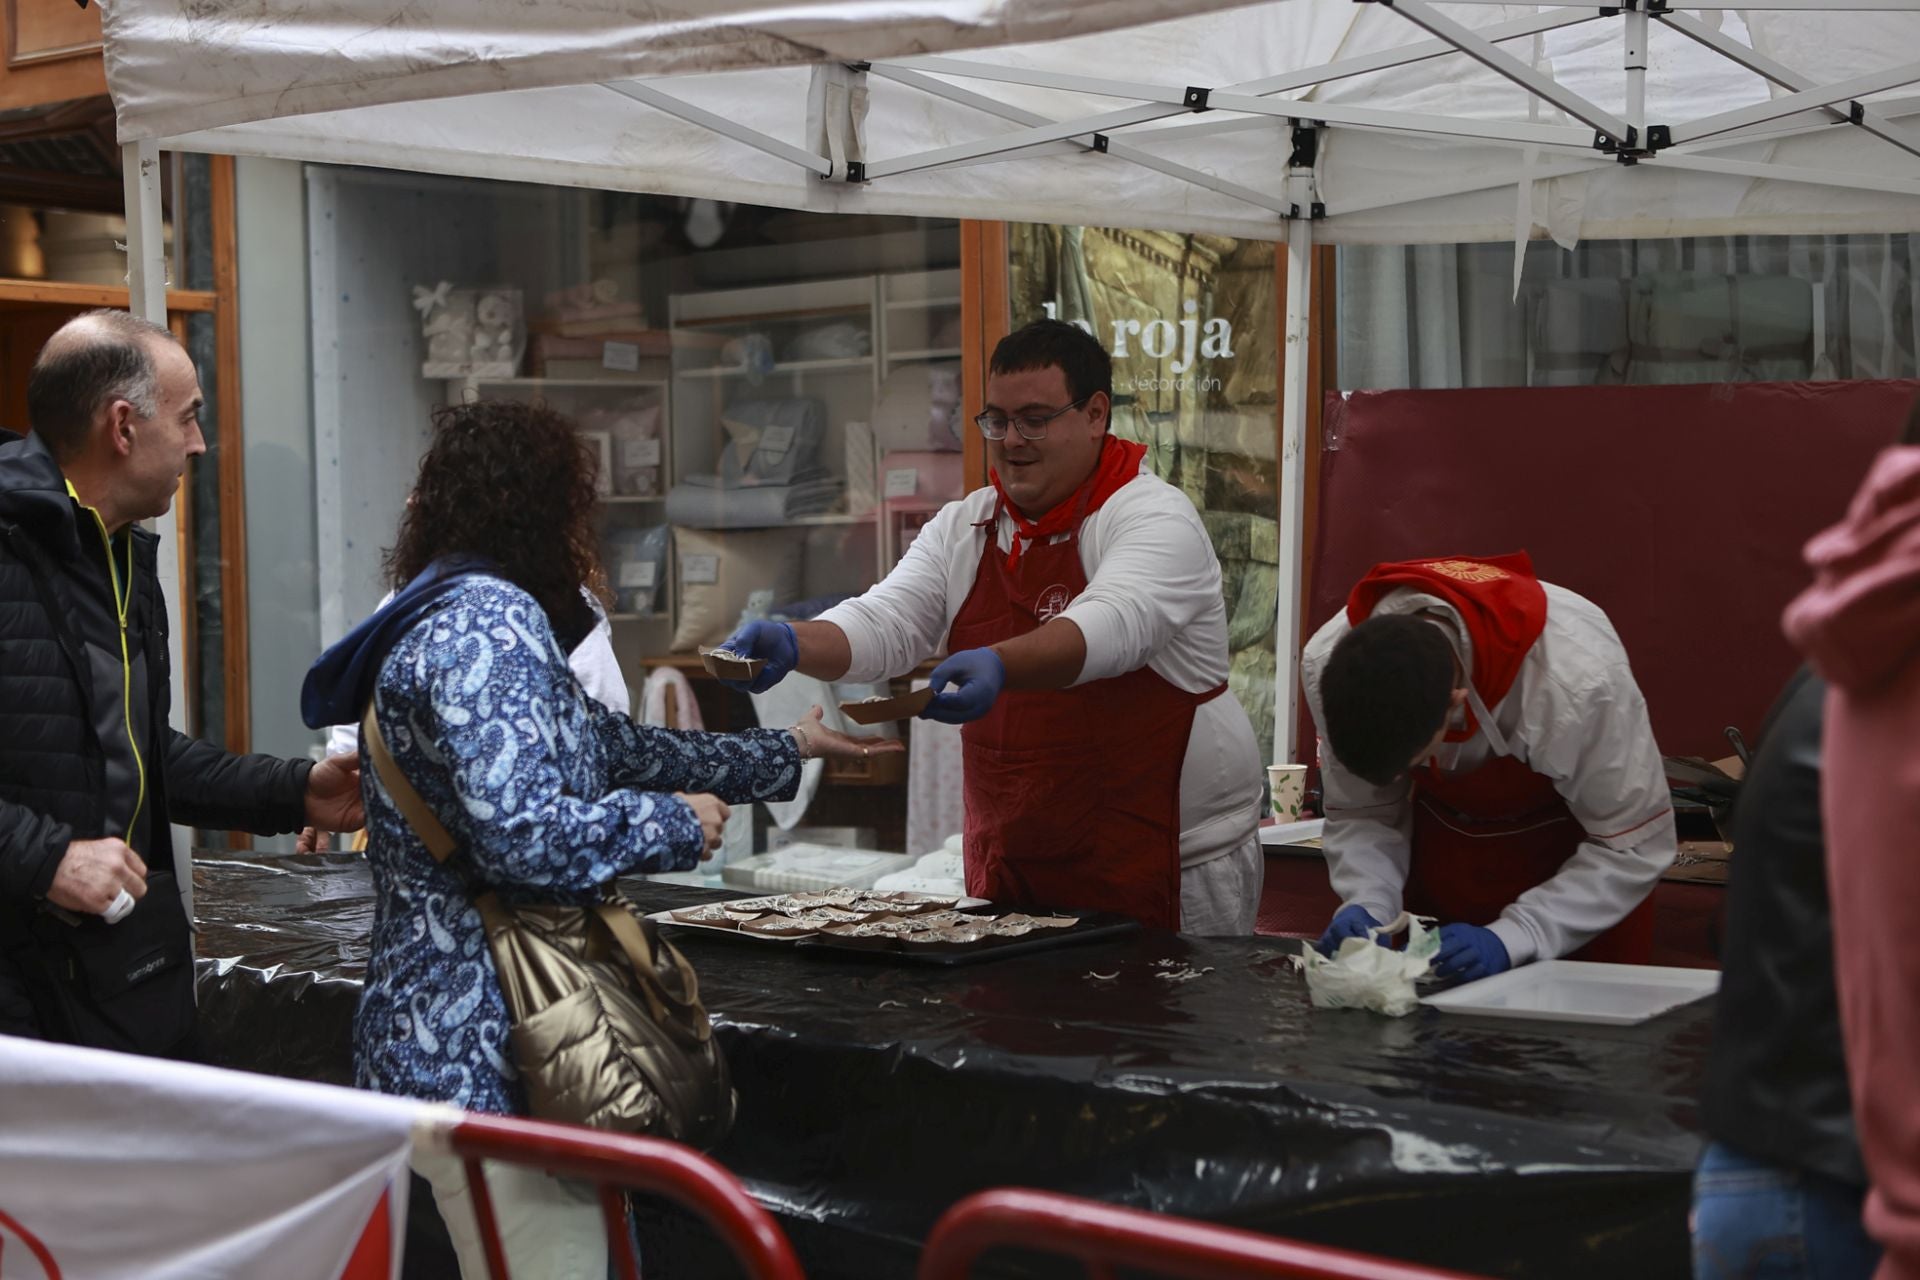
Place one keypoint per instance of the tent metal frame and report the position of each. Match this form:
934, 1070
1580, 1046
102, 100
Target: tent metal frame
1136, 129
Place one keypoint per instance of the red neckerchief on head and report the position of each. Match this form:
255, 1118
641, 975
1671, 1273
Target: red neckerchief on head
1500, 602
1119, 462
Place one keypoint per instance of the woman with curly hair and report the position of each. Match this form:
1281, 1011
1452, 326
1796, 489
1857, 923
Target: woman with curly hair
548, 794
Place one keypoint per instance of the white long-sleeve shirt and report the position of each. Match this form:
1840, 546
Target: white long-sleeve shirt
1575, 714
1153, 599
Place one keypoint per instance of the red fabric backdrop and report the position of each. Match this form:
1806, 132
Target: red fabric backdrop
1681, 511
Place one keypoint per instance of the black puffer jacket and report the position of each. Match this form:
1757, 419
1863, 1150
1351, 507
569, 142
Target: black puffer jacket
1777, 1074
55, 766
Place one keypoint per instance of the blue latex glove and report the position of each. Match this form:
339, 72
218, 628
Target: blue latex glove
1348, 922
1468, 952
770, 640
977, 676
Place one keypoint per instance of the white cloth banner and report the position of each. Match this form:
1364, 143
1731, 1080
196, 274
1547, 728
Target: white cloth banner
114, 1167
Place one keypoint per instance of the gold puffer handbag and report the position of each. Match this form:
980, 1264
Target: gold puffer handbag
608, 1028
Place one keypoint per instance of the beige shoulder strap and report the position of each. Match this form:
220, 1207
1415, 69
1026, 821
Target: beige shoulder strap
425, 825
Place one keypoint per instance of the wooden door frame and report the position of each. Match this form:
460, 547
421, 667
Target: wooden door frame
223, 301
1323, 375
985, 318
236, 655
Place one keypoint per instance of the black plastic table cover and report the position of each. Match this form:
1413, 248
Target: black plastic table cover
1184, 1075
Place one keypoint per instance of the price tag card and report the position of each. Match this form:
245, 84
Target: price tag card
903, 482
776, 439
699, 570
624, 356
640, 453
602, 445
637, 573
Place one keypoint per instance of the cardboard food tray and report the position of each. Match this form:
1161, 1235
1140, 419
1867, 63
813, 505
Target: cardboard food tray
1093, 926
723, 664
884, 710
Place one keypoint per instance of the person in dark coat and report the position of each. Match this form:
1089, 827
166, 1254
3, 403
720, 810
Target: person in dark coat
95, 944
1780, 1187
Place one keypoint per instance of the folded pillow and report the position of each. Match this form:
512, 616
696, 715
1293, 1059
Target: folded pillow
717, 571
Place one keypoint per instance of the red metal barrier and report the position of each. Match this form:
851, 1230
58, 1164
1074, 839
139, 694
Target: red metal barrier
615, 1161
1101, 1236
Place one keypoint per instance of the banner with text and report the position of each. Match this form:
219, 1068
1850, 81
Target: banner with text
114, 1167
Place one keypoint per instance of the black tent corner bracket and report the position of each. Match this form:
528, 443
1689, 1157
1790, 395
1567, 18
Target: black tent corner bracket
1659, 137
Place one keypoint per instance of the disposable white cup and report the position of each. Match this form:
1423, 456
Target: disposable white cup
1289, 784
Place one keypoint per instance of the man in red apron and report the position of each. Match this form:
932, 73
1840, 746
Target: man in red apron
1080, 602
1487, 760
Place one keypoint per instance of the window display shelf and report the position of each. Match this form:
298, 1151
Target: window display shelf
795, 522
920, 304
612, 381
789, 366
635, 500
929, 353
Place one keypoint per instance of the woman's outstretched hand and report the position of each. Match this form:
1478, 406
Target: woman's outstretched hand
818, 741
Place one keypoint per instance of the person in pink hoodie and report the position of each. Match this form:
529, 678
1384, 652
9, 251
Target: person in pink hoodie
1859, 625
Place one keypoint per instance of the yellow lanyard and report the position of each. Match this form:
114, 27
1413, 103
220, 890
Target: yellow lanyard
122, 597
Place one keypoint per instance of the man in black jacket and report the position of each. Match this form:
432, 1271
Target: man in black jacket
95, 946
1780, 1188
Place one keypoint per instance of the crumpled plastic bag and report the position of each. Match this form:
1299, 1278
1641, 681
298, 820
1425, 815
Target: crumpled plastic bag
1364, 975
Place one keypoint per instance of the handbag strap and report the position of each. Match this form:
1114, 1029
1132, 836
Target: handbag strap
626, 931
634, 941
432, 832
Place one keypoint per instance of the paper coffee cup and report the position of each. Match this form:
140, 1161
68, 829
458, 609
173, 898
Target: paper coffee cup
1289, 784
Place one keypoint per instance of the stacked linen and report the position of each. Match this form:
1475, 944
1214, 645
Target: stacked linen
769, 471
702, 502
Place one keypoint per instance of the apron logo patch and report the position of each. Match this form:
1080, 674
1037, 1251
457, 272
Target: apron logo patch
1053, 602
1468, 571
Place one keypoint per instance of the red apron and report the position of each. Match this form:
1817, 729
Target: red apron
1484, 837
1073, 795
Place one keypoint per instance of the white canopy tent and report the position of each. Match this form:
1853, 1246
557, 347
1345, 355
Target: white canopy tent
1308, 121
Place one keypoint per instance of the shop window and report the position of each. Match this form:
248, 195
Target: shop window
1732, 309
1191, 322
773, 397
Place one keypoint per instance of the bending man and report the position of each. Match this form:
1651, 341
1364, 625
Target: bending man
1486, 759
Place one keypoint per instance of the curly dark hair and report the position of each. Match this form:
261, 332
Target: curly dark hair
512, 482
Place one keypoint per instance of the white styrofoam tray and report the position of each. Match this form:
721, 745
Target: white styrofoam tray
1282, 834
1617, 995
798, 867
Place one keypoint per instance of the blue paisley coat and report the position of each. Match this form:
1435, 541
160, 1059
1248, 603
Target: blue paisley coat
548, 794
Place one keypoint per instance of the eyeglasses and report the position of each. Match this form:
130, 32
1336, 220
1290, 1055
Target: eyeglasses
1032, 426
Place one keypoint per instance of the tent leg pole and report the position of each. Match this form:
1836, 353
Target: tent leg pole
146, 239
1292, 476
1635, 62
147, 299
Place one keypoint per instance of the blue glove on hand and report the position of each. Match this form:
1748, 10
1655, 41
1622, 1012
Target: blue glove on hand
1468, 952
977, 676
773, 641
1348, 922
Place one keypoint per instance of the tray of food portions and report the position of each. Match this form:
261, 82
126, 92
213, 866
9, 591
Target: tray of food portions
913, 928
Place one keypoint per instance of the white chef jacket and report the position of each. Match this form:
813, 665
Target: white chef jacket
592, 661
1153, 599
1575, 714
